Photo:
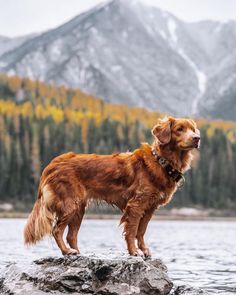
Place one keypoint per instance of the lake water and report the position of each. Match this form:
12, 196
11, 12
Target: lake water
199, 253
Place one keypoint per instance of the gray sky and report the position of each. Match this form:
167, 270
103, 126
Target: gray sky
20, 17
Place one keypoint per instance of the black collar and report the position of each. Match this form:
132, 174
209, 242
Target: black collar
172, 172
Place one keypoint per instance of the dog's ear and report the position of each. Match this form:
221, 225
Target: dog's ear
162, 131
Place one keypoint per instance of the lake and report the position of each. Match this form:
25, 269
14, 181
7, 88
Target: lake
198, 253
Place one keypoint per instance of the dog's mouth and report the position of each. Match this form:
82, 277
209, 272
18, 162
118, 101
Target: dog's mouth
193, 145
197, 145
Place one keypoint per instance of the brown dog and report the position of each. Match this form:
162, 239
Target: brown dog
137, 183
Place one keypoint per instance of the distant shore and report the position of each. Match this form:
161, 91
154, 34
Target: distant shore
184, 213
118, 216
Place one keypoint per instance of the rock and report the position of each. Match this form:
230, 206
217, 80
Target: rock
89, 274
188, 290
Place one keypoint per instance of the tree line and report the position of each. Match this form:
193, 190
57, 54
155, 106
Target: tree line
39, 122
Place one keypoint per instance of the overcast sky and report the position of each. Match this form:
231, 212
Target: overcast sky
20, 17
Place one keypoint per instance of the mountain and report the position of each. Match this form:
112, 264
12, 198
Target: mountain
218, 41
127, 52
7, 44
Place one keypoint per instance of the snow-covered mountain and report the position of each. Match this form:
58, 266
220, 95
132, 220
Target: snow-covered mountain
126, 52
7, 44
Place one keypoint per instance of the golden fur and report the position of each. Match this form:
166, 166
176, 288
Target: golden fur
134, 182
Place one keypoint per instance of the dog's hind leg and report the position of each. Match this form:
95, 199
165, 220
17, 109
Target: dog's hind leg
142, 229
58, 231
74, 227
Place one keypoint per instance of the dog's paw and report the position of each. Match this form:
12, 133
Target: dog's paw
136, 252
71, 252
146, 252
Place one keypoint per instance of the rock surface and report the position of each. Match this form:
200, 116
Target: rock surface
87, 275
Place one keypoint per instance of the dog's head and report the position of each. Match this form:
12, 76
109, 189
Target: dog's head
179, 133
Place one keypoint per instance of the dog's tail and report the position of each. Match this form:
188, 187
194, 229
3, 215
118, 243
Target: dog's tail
40, 220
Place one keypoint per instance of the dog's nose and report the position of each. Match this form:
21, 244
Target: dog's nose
196, 138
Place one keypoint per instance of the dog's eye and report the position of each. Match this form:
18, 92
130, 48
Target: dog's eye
180, 129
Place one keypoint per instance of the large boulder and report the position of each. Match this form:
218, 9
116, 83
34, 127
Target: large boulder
90, 274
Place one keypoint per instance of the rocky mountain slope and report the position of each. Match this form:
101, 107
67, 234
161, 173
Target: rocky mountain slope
7, 44
126, 52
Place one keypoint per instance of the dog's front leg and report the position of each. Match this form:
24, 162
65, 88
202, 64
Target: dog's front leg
131, 218
142, 229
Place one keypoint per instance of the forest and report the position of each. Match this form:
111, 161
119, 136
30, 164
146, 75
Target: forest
39, 122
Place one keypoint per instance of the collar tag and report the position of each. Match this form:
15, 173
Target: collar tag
181, 182
163, 162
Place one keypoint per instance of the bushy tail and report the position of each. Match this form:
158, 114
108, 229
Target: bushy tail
39, 223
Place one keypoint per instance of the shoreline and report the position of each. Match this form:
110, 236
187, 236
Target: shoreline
166, 217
